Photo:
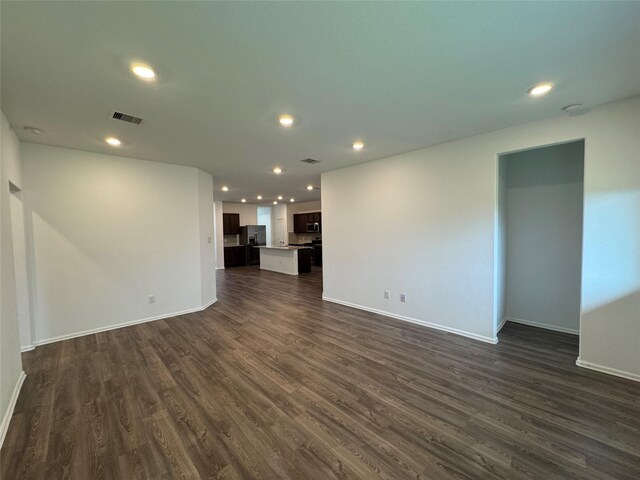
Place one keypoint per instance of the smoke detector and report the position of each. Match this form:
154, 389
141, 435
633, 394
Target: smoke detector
575, 109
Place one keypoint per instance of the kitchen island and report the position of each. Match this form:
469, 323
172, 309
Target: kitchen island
286, 259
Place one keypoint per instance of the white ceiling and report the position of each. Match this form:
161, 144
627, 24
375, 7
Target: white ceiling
399, 76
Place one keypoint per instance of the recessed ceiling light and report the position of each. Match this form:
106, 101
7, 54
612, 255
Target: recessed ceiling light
279, 197
275, 203
309, 187
113, 141
143, 71
358, 145
539, 89
244, 200
292, 200
225, 188
259, 197
285, 120
277, 170
34, 130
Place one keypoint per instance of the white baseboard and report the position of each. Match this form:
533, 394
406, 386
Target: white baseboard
414, 320
27, 348
219, 268
609, 370
207, 305
501, 324
6, 419
543, 325
121, 325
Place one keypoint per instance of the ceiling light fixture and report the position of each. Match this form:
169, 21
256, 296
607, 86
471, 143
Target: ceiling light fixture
244, 200
285, 120
309, 187
292, 200
34, 130
277, 170
225, 188
143, 71
357, 145
113, 141
275, 203
539, 89
279, 197
259, 197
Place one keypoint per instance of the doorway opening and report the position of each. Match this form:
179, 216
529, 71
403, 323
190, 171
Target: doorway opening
264, 218
539, 237
21, 269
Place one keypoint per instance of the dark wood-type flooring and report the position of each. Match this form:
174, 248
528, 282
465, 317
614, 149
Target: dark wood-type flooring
273, 383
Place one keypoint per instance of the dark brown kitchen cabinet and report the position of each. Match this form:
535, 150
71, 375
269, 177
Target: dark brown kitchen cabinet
235, 256
304, 260
297, 223
317, 255
231, 223
300, 221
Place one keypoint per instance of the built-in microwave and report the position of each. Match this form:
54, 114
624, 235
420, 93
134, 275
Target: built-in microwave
313, 227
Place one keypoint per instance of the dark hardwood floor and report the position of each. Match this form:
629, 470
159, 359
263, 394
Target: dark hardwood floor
273, 383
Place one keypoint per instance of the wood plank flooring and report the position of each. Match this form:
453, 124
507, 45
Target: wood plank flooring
273, 383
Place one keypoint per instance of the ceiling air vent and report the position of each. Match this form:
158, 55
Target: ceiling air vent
127, 118
310, 161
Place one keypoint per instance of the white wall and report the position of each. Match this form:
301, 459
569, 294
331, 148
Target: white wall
21, 268
279, 225
264, 218
108, 232
446, 198
610, 294
544, 236
500, 260
219, 234
207, 234
10, 361
432, 212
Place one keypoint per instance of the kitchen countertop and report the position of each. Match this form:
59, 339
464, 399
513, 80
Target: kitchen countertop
286, 247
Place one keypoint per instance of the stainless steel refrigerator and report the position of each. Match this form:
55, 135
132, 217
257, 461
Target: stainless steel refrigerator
252, 236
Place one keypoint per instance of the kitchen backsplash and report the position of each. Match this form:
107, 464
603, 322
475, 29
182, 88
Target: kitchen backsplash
231, 240
234, 240
303, 237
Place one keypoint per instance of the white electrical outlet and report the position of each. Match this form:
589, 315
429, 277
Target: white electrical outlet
403, 297
387, 294
152, 299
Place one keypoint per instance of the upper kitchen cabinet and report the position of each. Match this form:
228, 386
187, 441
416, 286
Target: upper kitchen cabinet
301, 220
231, 223
299, 223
